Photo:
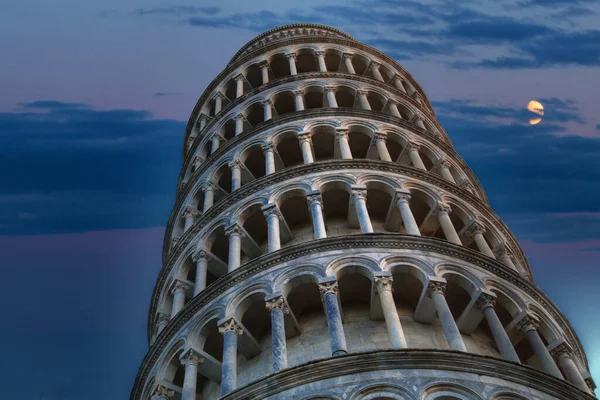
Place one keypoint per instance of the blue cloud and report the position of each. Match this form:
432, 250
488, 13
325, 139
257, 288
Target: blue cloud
163, 94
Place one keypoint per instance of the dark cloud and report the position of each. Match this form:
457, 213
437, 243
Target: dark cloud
76, 168
494, 30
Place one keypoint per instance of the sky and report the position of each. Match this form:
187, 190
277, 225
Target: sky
95, 97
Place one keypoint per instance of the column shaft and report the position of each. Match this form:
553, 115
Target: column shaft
321, 61
392, 321
269, 160
189, 382
448, 324
178, 300
218, 104
274, 239
239, 87
209, 198
348, 63
364, 102
500, 336
239, 125
394, 110
399, 85
299, 101
337, 340
446, 174
363, 214
267, 112
235, 247
236, 176
542, 353
316, 211
214, 145
292, 61
344, 146
448, 228
278, 340
572, 372
382, 149
306, 149
201, 272
483, 245
229, 364
377, 74
331, 99
264, 70
415, 158
408, 218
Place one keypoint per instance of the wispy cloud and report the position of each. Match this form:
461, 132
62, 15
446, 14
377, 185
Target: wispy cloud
164, 94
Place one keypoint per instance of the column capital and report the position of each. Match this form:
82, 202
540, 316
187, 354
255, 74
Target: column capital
207, 186
230, 325
162, 317
380, 136
219, 95
197, 159
484, 301
396, 77
239, 116
235, 164
174, 241
267, 103
341, 132
362, 92
402, 195
277, 303
162, 393
233, 229
442, 207
528, 323
413, 146
314, 198
349, 56
263, 64
200, 255
444, 161
589, 381
271, 209
239, 77
268, 147
304, 137
383, 284
179, 285
436, 287
562, 350
476, 228
191, 357
290, 55
374, 65
330, 89
466, 185
359, 194
501, 251
328, 287
298, 92
320, 53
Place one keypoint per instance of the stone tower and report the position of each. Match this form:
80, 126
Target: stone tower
328, 242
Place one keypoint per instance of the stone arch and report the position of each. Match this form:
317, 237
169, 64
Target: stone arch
166, 371
363, 265
513, 303
381, 202
291, 189
548, 328
197, 336
382, 391
324, 143
288, 279
241, 300
411, 276
504, 394
448, 391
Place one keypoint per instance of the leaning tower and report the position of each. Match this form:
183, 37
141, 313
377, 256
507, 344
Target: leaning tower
328, 242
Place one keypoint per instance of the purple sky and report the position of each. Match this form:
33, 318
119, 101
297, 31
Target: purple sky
94, 98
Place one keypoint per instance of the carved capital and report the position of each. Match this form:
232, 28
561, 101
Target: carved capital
349, 56
443, 162
562, 350
197, 160
267, 103
239, 77
277, 303
239, 116
235, 164
200, 255
380, 136
436, 287
179, 286
328, 288
233, 230
413, 146
319, 53
298, 92
476, 228
271, 210
267, 147
263, 64
314, 198
359, 194
374, 65
162, 393
207, 187
191, 357
162, 318
484, 301
219, 95
304, 137
330, 89
230, 326
190, 211
341, 133
362, 92
528, 323
290, 55
402, 195
397, 77
384, 284
443, 207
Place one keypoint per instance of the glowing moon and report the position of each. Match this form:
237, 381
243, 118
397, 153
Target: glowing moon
537, 108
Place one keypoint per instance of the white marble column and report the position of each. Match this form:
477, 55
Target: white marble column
299, 99
161, 321
189, 215
436, 291
380, 142
162, 393
374, 67
178, 292
315, 203
486, 304
443, 165
564, 356
292, 60
264, 71
415, 158
443, 211
269, 152
529, 327
362, 97
419, 122
348, 63
330, 93
201, 260
403, 198
383, 286
267, 110
394, 109
271, 213
239, 86
337, 339
218, 103
190, 359
278, 308
234, 233
476, 231
503, 256
397, 81
359, 198
239, 124
342, 137
305, 145
236, 174
209, 197
197, 162
321, 60
230, 330
214, 144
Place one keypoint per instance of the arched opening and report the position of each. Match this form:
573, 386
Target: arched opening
255, 114
360, 63
421, 206
407, 288
223, 178
306, 61
217, 245
376, 101
280, 66
313, 97
295, 212
254, 75
205, 151
288, 149
284, 103
395, 147
253, 222
333, 60
345, 96
231, 89
359, 141
340, 219
323, 140
254, 161
384, 217
229, 129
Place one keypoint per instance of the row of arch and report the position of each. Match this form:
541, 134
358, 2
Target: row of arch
319, 206
359, 303
308, 95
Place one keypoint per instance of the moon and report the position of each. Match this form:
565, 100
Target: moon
537, 108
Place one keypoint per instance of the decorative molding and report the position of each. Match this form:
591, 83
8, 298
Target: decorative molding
384, 284
277, 303
434, 287
328, 288
230, 325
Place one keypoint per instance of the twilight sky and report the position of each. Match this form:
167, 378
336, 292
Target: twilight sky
94, 98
